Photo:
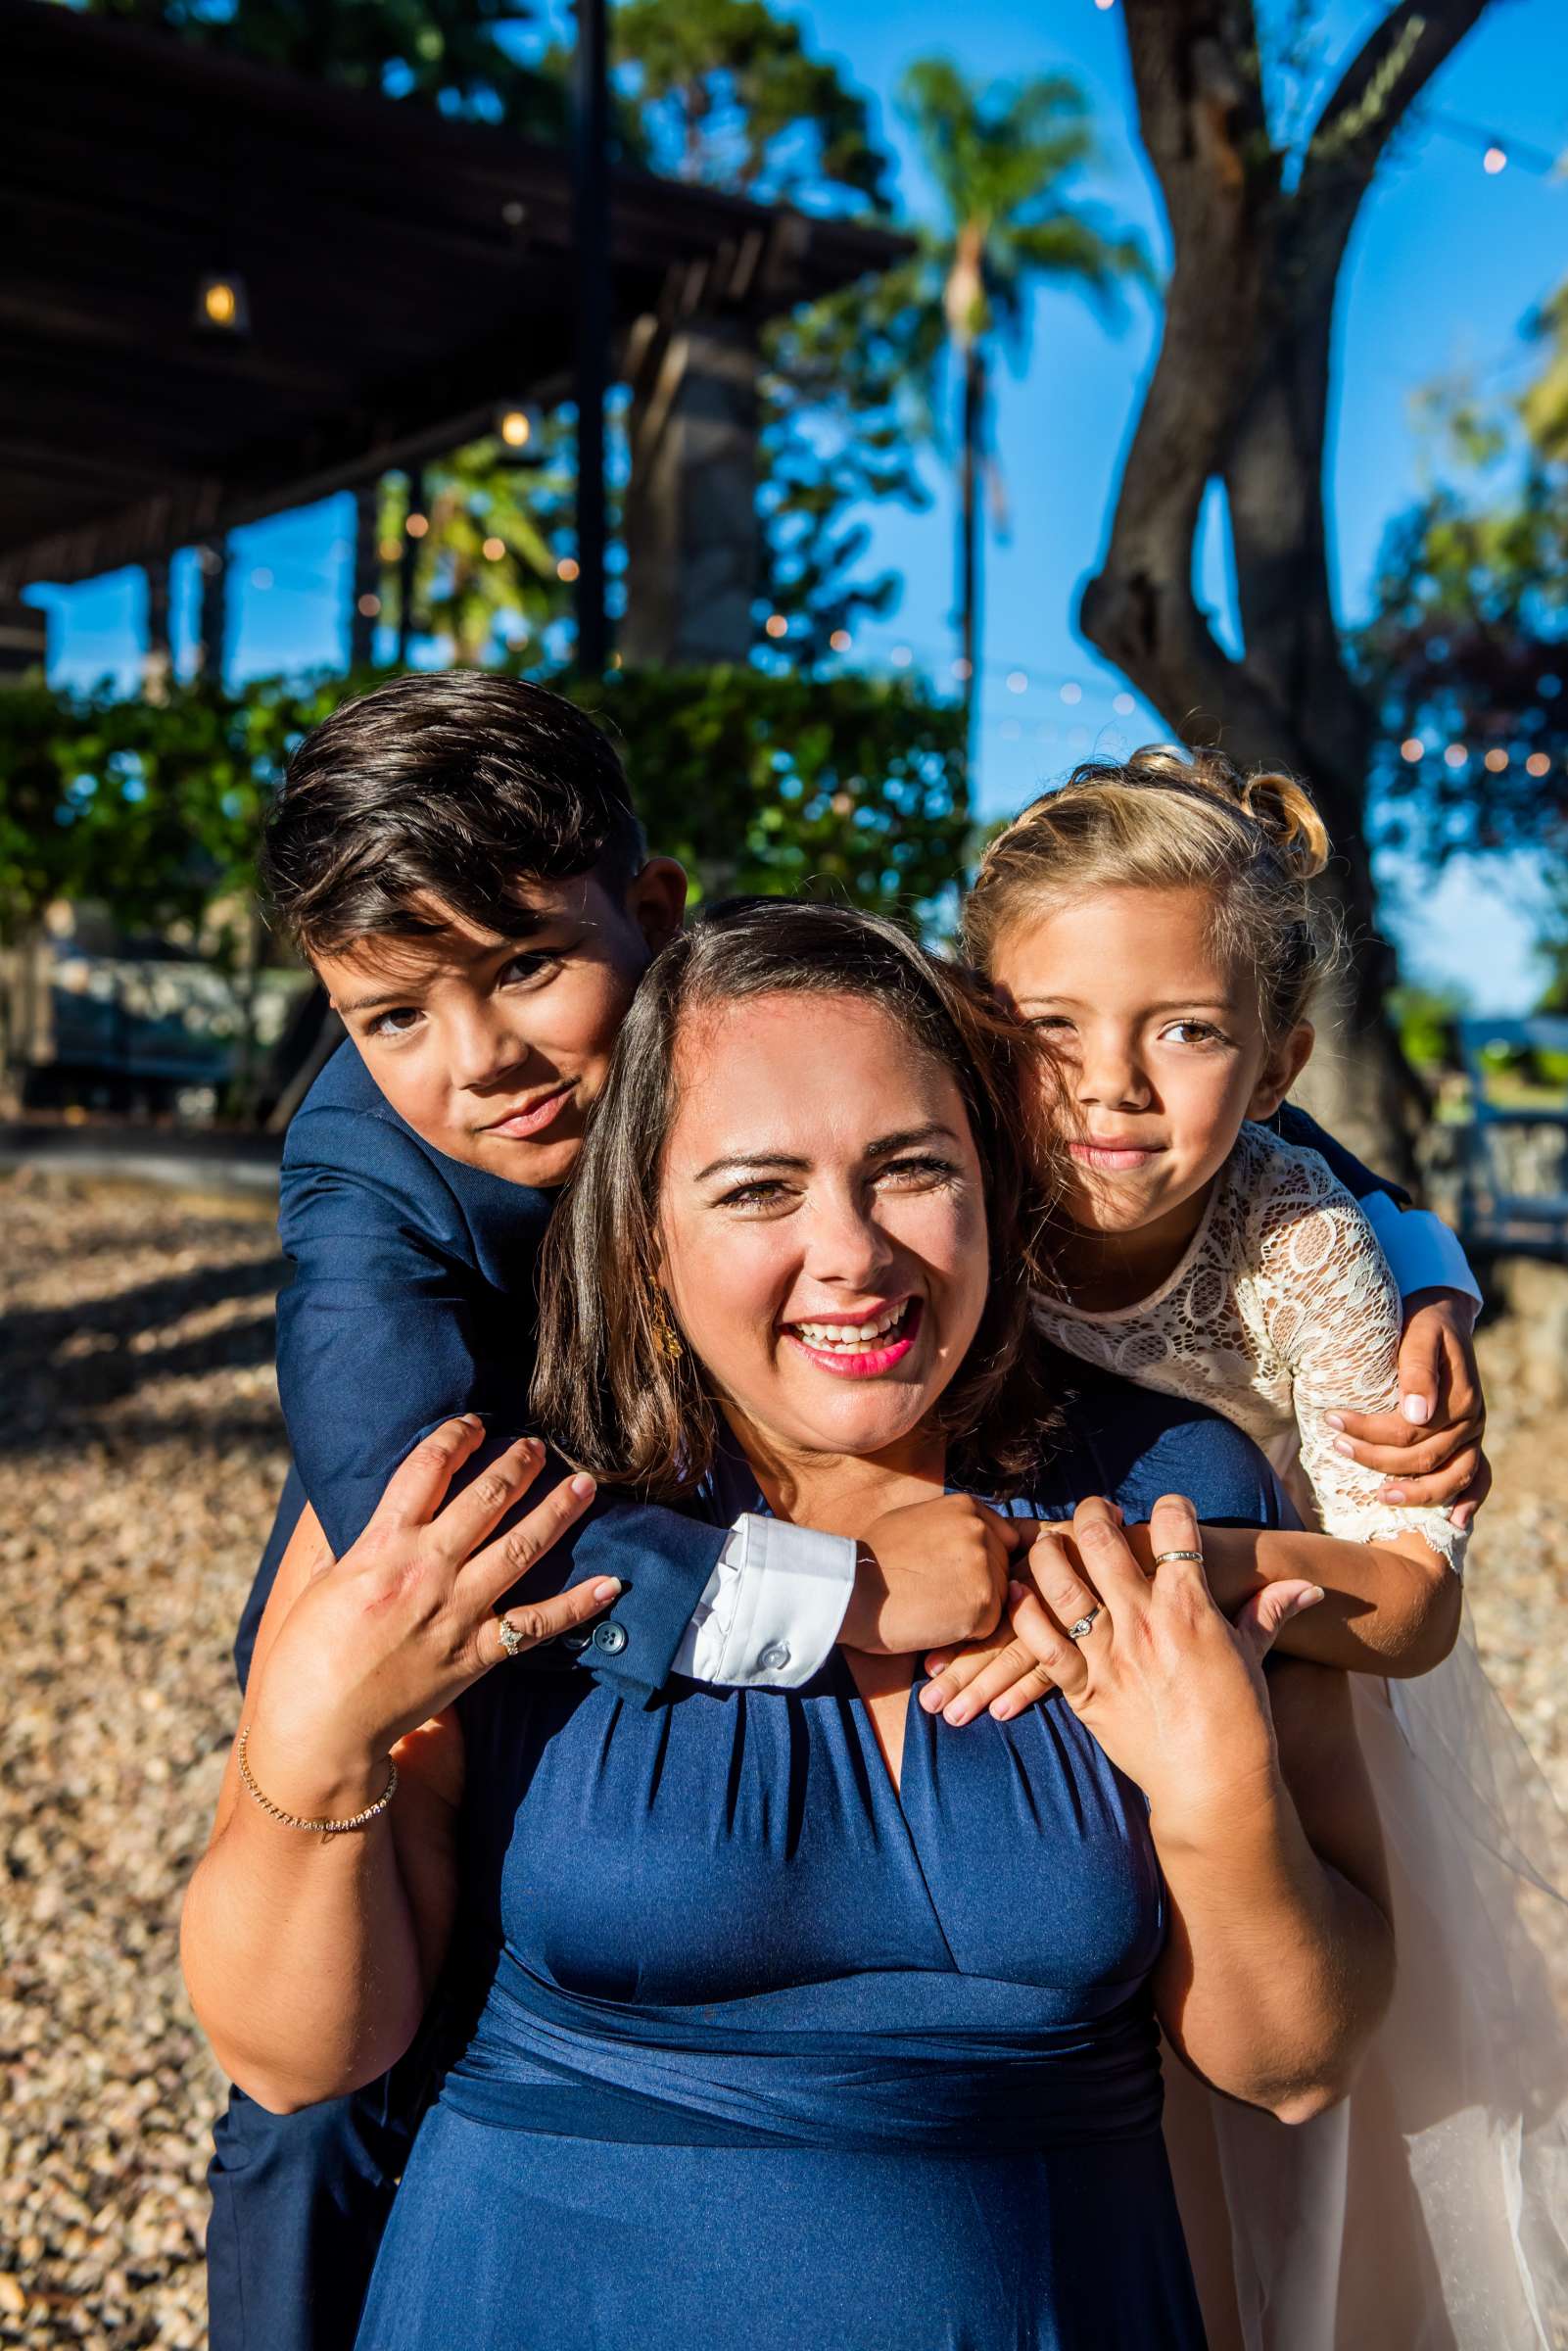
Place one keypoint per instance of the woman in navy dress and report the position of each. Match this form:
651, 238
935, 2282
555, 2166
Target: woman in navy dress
797, 2013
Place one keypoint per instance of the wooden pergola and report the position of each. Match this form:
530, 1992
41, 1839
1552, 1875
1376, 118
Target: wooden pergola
405, 276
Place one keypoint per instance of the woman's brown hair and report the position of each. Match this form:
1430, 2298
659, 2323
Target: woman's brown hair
609, 1389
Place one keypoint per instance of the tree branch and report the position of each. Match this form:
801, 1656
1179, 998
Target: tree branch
1200, 116
1372, 98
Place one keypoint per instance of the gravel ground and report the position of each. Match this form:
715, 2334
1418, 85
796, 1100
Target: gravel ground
140, 1457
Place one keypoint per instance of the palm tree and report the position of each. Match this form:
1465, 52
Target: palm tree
1003, 157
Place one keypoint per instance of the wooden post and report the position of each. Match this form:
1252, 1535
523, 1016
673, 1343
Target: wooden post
590, 191
212, 631
366, 576
158, 654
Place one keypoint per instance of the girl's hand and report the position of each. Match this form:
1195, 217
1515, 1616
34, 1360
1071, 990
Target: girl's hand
1173, 1692
386, 1637
1001, 1674
1430, 1450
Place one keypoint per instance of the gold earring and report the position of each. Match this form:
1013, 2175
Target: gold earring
665, 1335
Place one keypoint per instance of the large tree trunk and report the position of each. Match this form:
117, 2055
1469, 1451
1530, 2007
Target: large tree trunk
1239, 395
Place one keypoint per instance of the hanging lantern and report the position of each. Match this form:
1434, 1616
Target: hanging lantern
222, 303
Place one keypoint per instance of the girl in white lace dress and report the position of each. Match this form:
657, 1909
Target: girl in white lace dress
1154, 924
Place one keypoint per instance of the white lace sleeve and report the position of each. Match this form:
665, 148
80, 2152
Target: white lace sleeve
1332, 1313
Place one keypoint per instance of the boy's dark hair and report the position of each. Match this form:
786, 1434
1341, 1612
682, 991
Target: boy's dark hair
445, 785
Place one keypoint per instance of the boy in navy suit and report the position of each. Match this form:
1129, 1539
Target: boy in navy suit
458, 856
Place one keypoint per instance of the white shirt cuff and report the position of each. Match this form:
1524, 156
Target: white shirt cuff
1422, 1252
771, 1609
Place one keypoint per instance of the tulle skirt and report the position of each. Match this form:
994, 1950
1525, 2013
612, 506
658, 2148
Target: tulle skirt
1428, 2212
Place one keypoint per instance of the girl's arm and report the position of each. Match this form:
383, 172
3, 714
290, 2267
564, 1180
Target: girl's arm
310, 1957
1329, 1310
1388, 1607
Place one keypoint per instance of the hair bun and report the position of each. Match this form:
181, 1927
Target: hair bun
1277, 803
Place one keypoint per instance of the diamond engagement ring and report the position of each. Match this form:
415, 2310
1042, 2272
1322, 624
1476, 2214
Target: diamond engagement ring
1075, 1632
511, 1640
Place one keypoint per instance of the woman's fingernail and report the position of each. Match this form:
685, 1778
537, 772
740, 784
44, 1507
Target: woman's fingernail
1003, 1711
584, 1487
931, 1699
1017, 1592
1395, 1494
1344, 1445
470, 1420
606, 1588
1334, 1419
1416, 1409
958, 1713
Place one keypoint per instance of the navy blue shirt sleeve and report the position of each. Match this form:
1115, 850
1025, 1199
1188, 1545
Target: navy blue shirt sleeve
390, 1327
1296, 1127
1133, 1444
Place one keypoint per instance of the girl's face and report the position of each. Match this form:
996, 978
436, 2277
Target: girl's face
1159, 1044
823, 1223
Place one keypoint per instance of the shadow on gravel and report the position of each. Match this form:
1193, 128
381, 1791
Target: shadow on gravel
61, 1365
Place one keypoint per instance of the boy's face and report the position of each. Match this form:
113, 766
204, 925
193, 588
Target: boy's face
493, 1049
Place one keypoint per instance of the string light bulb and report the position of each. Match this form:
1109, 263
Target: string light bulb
1457, 754
777, 625
494, 548
840, 641
567, 568
1538, 764
1494, 160
513, 427
902, 656
417, 525
223, 305
1412, 749
369, 606
1497, 760
962, 670
1071, 692
1018, 681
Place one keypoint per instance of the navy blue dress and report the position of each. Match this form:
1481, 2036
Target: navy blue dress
769, 2050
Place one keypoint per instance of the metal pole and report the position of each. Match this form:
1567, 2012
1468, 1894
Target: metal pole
590, 191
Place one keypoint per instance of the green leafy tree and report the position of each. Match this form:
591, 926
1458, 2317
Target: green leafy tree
725, 92
485, 574
1005, 157
445, 53
1465, 653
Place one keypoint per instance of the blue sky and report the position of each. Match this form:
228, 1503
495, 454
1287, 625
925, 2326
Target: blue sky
1446, 262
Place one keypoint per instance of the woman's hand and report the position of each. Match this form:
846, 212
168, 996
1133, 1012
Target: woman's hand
1172, 1691
381, 1640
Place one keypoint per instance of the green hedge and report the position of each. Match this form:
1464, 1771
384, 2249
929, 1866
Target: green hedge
849, 785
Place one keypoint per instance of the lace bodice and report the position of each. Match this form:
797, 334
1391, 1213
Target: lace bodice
1282, 1310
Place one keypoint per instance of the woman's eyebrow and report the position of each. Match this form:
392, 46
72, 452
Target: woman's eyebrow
750, 1158
887, 1145
884, 1147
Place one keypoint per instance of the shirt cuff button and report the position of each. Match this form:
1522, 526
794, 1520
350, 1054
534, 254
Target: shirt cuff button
609, 1637
775, 1657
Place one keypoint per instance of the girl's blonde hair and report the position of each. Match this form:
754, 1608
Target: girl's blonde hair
1171, 819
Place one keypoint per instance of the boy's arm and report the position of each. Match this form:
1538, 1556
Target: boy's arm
1423, 1252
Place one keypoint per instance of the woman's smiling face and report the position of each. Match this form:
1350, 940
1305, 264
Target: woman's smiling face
822, 1220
